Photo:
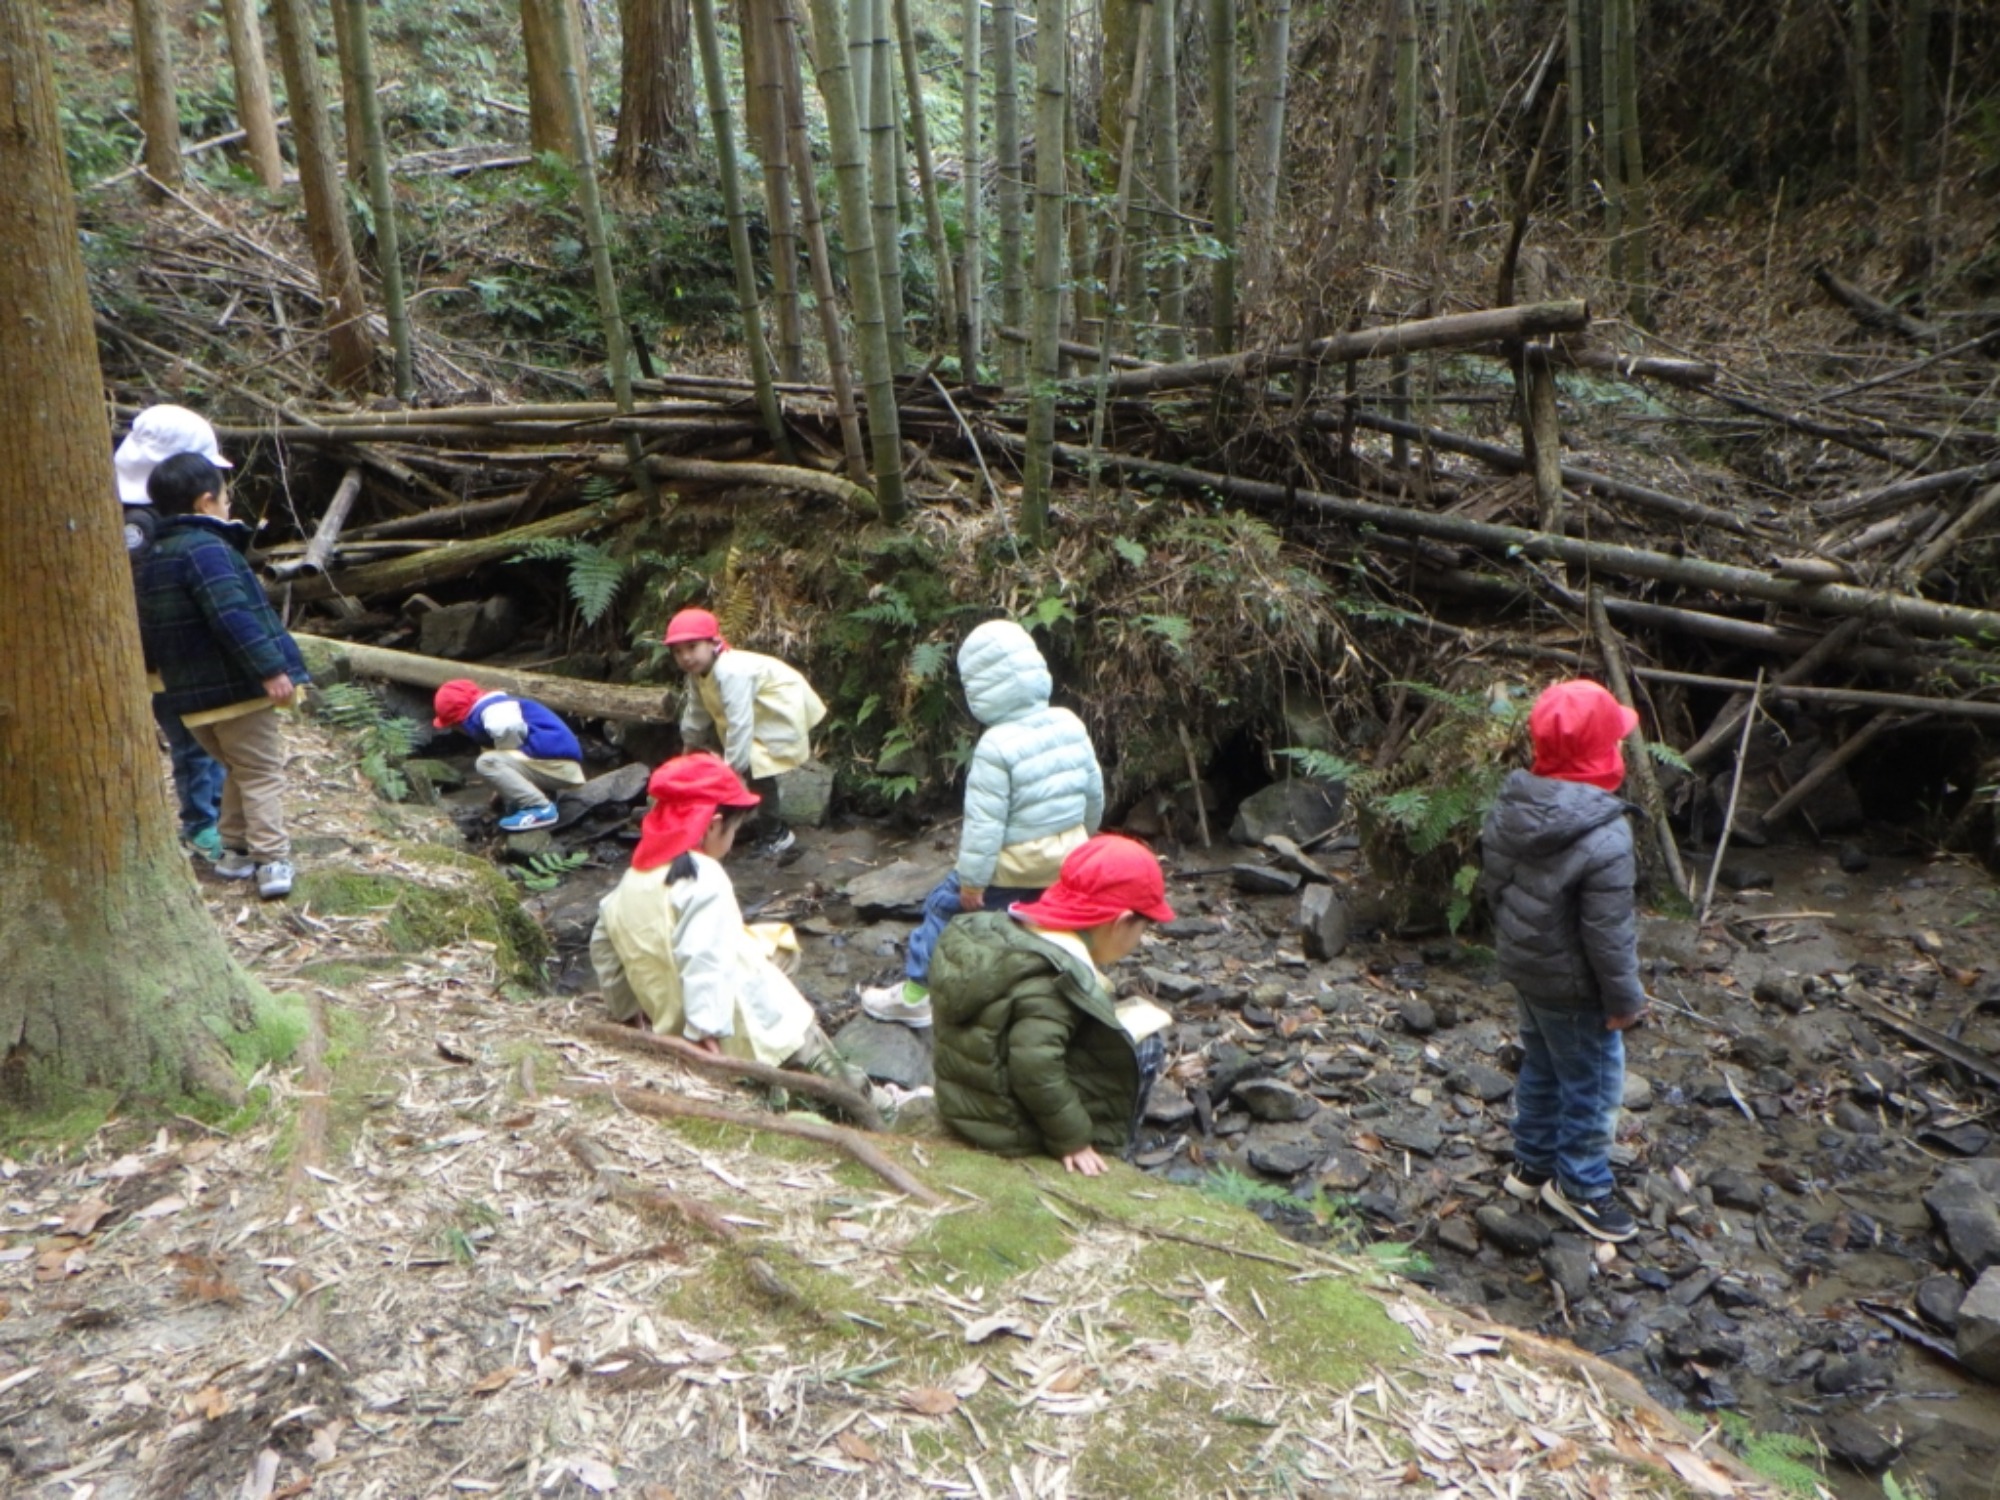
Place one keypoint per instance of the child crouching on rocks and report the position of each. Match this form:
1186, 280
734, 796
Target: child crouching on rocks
527, 754
670, 946
1033, 1055
1559, 873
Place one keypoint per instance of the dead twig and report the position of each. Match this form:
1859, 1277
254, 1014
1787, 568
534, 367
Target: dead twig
651, 1044
1735, 787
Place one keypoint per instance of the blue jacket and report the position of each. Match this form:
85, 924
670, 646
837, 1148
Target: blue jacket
1034, 771
548, 738
206, 626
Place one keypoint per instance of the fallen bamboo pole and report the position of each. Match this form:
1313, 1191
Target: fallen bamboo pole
1823, 651
652, 1044
1729, 813
1891, 497
566, 695
319, 551
1815, 775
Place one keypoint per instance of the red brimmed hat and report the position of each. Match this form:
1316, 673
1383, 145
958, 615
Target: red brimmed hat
454, 701
687, 793
694, 625
1579, 731
1102, 879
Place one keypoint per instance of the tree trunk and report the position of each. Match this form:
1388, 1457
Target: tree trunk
656, 107
1575, 61
920, 142
351, 354
885, 170
1115, 31
1167, 174
1274, 69
1447, 145
724, 135
381, 194
1007, 148
159, 103
1916, 85
1638, 249
253, 91
765, 84
1860, 84
352, 131
1121, 213
1222, 192
861, 57
550, 31
972, 270
833, 63
1613, 136
116, 977
1051, 176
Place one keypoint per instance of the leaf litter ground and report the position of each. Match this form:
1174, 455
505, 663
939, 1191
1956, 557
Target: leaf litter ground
430, 1263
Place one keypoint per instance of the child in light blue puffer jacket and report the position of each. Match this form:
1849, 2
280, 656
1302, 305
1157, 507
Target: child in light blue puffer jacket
1033, 793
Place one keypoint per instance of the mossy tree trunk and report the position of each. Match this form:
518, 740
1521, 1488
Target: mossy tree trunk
550, 31
1222, 194
1007, 161
885, 173
116, 977
656, 108
1044, 348
381, 195
351, 355
254, 111
159, 101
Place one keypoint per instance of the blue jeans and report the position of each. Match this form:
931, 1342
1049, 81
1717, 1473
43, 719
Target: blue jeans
1567, 1098
940, 906
198, 776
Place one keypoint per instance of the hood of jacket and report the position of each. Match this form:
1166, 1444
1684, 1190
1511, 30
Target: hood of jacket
1536, 816
236, 533
1004, 674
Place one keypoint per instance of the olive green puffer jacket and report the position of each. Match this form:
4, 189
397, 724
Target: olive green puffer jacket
1030, 1055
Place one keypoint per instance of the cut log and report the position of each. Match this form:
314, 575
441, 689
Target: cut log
319, 551
574, 696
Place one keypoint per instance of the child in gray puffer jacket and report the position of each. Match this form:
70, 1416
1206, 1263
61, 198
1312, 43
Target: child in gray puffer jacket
1559, 872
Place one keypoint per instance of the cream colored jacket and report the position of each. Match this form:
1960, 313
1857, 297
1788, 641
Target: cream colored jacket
758, 711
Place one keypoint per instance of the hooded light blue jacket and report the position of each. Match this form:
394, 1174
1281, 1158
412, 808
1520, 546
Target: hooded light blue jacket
1034, 772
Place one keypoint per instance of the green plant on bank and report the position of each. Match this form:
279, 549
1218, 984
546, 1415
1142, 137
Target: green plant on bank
1333, 1212
544, 872
1785, 1458
382, 740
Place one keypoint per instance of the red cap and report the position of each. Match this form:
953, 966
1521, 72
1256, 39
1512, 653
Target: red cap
694, 625
454, 701
687, 792
1102, 879
1579, 729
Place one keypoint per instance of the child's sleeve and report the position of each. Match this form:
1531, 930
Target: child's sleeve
230, 601
504, 725
1037, 1051
738, 688
989, 796
697, 727
1608, 922
708, 926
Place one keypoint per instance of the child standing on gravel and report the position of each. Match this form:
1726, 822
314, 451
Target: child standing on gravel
527, 754
757, 711
1034, 792
1033, 1054
670, 947
1559, 873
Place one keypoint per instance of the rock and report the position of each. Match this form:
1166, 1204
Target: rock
1168, 985
614, 788
893, 1054
1192, 927
1747, 877
1298, 809
1965, 1201
805, 795
1967, 1139
1274, 1101
1858, 1443
1852, 1118
1979, 1327
1757, 1051
1345, 1170
896, 890
1638, 1092
1285, 1158
1938, 1301
1322, 923
1704, 1346
1488, 1085
1853, 859
1289, 856
1782, 991
1837, 1377
1263, 880
1229, 1065
1512, 1234
1168, 1103
470, 631
1734, 1189
1568, 1265
522, 847
1458, 1234
1418, 1133
1419, 1016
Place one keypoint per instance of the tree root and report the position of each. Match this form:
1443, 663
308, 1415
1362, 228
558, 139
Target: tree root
652, 1044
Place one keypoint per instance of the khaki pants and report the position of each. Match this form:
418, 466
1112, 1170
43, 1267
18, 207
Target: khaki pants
523, 781
252, 816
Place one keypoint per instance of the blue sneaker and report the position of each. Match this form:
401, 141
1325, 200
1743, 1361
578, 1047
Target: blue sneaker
530, 818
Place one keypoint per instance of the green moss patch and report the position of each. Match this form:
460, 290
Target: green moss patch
418, 918
1168, 1441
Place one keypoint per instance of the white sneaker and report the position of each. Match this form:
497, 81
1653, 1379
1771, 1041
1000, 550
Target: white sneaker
274, 880
888, 1002
235, 865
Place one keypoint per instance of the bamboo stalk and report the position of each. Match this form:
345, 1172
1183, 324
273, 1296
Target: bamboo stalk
1638, 759
1044, 353
776, 83
1222, 205
319, 551
1828, 647
566, 695
1007, 158
1135, 98
920, 142
972, 271
1818, 773
1167, 171
367, 107
885, 172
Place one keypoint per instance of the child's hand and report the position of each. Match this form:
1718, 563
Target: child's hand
972, 898
710, 1045
279, 689
1086, 1161
1625, 1023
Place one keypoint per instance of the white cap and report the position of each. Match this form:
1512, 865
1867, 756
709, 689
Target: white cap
158, 433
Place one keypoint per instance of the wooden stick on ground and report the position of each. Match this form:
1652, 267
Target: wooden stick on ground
1638, 760
1735, 787
652, 1044
856, 1147
704, 1218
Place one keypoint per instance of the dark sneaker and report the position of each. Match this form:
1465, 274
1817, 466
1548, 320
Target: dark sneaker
779, 844
1600, 1218
1524, 1183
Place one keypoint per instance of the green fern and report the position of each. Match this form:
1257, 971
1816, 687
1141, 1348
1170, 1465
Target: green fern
891, 606
1781, 1457
929, 660
544, 872
382, 740
1227, 1185
1668, 756
1176, 631
595, 573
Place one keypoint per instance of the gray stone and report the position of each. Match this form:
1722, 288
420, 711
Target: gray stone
1297, 809
1968, 1138
1938, 1301
1782, 991
1168, 1103
1852, 1118
1734, 1189
1747, 877
1168, 985
627, 784
1274, 1101
1853, 859
470, 631
1419, 1016
1322, 923
1486, 1084
1638, 1092
804, 795
1460, 1234
1285, 1158
1758, 1051
1263, 880
1965, 1201
1568, 1266
1289, 856
1345, 1170
1858, 1443
522, 847
1979, 1327
1512, 1234
1837, 1377
893, 1054
1704, 1346
896, 890
1229, 1065
1418, 1133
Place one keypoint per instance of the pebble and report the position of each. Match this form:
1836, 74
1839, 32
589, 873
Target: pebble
1965, 1201
1263, 880
1345, 1170
1968, 1139
1419, 1016
1839, 1376
1274, 1101
1513, 1234
1458, 1234
1782, 991
1171, 986
1747, 877
1938, 1299
1638, 1092
1734, 1189
1285, 1158
1704, 1346
1853, 859
1859, 1443
1758, 1051
1168, 1104
1420, 1134
1568, 1266
1486, 1084
1229, 1065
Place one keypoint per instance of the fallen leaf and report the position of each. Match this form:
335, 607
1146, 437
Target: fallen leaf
968, 1382
847, 1229
325, 1444
452, 1051
595, 1474
126, 1166
496, 1380
985, 1328
1067, 1381
262, 1478
136, 1394
84, 1218
929, 1401
1699, 1472
211, 1401
656, 1492
857, 1447
1475, 1344
159, 1208
60, 1260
